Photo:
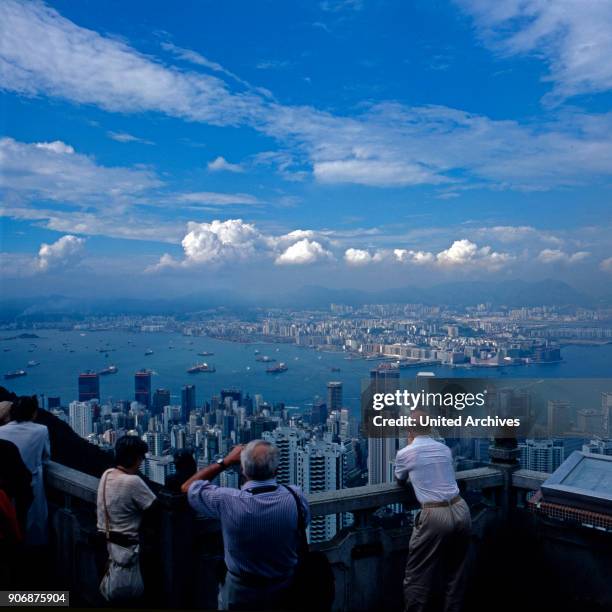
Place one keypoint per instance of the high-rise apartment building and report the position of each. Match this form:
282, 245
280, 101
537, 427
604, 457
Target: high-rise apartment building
80, 415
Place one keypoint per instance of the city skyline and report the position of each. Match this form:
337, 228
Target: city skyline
348, 144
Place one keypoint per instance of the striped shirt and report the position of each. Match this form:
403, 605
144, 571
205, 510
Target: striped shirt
260, 533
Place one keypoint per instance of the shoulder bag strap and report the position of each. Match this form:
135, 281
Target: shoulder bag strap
301, 522
106, 515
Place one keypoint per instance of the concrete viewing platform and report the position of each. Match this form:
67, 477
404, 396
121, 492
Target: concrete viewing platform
517, 557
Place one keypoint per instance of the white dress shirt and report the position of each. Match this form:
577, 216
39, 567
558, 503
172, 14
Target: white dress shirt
32, 440
429, 464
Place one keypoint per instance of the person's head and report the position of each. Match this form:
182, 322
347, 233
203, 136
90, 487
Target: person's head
184, 462
24, 409
130, 452
421, 426
259, 460
5, 412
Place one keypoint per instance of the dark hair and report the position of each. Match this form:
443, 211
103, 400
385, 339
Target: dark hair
24, 409
184, 461
129, 449
6, 395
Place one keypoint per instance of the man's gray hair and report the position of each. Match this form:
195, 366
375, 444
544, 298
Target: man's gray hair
259, 460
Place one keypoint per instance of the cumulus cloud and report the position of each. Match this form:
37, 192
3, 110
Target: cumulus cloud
415, 257
552, 256
573, 36
464, 252
65, 252
303, 252
358, 257
221, 164
235, 241
62, 253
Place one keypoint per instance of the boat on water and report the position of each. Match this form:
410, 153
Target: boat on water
148, 352
205, 353
33, 363
111, 369
201, 367
264, 359
257, 351
15, 374
277, 369
335, 369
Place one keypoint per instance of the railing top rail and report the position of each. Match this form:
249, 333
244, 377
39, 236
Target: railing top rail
84, 487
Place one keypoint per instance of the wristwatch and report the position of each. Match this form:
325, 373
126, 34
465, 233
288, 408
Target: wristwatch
221, 462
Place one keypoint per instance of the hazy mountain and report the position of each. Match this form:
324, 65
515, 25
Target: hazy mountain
513, 294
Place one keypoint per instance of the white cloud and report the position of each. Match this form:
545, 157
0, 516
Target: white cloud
415, 257
64, 252
357, 257
125, 137
221, 164
217, 199
235, 241
222, 242
57, 146
551, 256
387, 144
54, 171
606, 265
374, 172
464, 252
573, 36
303, 252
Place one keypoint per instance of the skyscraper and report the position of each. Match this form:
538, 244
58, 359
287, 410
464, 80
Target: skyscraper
188, 401
161, 398
80, 415
142, 387
334, 396
382, 451
89, 386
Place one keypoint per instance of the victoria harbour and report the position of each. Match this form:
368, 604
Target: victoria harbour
62, 355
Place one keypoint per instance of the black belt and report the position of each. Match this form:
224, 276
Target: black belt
121, 539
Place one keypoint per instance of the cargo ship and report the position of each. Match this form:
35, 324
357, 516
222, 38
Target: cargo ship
278, 369
112, 369
15, 374
201, 367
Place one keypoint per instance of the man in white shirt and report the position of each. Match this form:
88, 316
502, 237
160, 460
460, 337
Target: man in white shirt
441, 535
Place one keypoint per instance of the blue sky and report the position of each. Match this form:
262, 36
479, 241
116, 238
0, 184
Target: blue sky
273, 144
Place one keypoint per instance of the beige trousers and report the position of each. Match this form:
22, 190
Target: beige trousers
437, 558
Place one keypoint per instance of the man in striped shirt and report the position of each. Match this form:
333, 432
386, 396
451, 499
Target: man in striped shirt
259, 523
